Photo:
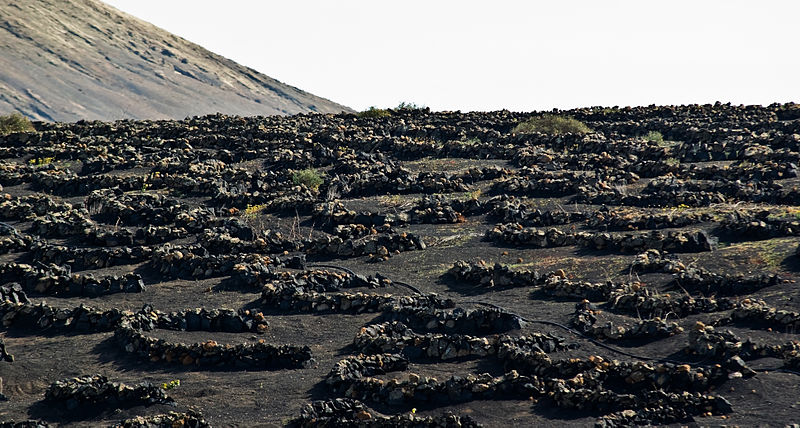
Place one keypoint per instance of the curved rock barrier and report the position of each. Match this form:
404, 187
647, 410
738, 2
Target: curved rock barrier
480, 274
97, 392
24, 424
88, 258
585, 320
190, 419
725, 346
259, 355
759, 314
348, 412
58, 280
673, 241
395, 336
457, 320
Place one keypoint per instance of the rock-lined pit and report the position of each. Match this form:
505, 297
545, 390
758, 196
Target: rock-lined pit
447, 272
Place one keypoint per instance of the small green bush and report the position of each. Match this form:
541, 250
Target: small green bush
374, 112
15, 122
171, 384
552, 124
308, 177
409, 106
654, 136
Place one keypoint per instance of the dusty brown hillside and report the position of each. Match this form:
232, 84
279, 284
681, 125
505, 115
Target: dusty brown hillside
82, 59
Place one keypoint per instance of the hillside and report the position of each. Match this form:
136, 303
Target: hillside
82, 59
418, 269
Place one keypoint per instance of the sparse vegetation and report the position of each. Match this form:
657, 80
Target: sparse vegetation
390, 200
171, 384
475, 194
253, 210
15, 122
409, 106
374, 112
553, 125
672, 162
654, 136
309, 178
41, 161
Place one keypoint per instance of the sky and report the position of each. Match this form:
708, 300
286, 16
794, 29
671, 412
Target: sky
490, 55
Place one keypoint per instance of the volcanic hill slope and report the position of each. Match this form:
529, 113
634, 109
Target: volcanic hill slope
66, 60
420, 269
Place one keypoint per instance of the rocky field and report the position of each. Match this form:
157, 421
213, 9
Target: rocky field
418, 269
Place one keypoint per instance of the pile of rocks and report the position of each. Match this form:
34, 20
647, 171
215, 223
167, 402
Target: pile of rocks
760, 225
195, 262
67, 183
148, 235
201, 319
97, 392
270, 242
210, 353
699, 280
304, 297
323, 280
14, 243
80, 258
650, 304
42, 315
456, 389
500, 276
657, 198
341, 412
336, 213
24, 424
58, 280
674, 241
63, 224
725, 346
380, 246
512, 211
29, 207
657, 261
360, 366
620, 220
190, 419
134, 209
543, 184
584, 319
395, 336
457, 320
560, 286
759, 314
651, 407
13, 293
4, 355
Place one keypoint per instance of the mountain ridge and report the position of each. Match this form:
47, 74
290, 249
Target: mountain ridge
83, 59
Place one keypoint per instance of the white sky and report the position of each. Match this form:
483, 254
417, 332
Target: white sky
495, 54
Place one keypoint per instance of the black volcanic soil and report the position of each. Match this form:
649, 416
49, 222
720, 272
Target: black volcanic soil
716, 164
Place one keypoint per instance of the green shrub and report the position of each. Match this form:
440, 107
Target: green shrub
409, 106
307, 177
654, 136
552, 124
374, 112
171, 384
15, 122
